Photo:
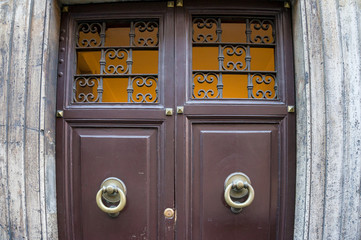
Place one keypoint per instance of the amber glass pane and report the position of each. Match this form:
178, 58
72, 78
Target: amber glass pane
145, 61
234, 32
205, 58
263, 59
233, 57
117, 36
115, 89
117, 61
235, 86
88, 62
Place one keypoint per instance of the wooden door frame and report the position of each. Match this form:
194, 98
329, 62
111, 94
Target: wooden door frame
288, 177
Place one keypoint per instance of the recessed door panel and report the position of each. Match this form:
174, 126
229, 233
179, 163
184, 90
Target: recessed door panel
129, 154
219, 150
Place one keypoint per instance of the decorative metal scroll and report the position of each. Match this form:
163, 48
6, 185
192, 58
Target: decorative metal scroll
210, 85
257, 81
241, 52
114, 54
93, 34
212, 27
234, 57
141, 39
116, 62
262, 26
87, 89
143, 82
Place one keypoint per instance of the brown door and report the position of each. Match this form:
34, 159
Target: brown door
172, 101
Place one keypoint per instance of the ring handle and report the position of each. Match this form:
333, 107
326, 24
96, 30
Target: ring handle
238, 185
112, 190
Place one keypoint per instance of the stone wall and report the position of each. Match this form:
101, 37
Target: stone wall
327, 40
28, 44
327, 36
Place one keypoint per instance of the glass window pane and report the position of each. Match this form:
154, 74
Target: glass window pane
115, 90
117, 61
205, 58
233, 57
145, 61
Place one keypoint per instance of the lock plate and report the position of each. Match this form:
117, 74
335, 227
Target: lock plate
234, 177
112, 181
169, 213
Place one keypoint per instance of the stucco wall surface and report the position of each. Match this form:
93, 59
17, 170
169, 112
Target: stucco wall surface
327, 36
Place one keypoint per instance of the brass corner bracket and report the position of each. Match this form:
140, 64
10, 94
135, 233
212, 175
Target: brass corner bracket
170, 4
65, 9
179, 3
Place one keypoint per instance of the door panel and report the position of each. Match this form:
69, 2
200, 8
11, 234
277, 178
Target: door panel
129, 154
218, 150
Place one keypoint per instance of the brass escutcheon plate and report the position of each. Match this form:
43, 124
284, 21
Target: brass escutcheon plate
234, 177
116, 182
169, 213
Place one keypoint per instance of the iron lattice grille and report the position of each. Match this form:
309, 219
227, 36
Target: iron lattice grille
114, 62
257, 33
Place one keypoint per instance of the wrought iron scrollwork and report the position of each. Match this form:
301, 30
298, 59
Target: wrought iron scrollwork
113, 54
95, 31
207, 23
204, 82
143, 27
143, 82
239, 51
259, 79
83, 89
262, 26
115, 62
234, 58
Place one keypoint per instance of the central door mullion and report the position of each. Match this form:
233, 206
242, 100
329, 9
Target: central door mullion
169, 141
182, 65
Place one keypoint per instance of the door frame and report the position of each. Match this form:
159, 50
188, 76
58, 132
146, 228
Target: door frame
288, 176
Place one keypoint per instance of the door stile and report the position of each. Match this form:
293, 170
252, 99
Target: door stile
290, 131
169, 140
182, 183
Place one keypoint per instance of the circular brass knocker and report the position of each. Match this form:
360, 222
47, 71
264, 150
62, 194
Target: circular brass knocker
112, 190
238, 185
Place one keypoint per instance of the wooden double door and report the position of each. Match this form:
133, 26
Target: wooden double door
200, 119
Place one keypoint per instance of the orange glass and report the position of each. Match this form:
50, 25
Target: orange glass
107, 67
237, 63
